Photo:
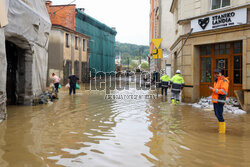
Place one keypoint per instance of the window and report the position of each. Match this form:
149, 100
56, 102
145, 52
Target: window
222, 49
238, 69
67, 40
83, 44
206, 50
216, 4
237, 47
237, 62
76, 42
205, 61
206, 70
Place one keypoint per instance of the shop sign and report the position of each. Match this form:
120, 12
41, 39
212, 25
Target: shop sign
221, 20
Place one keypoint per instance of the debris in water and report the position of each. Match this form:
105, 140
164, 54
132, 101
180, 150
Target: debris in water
232, 105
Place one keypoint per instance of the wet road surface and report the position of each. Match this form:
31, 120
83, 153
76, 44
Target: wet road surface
88, 130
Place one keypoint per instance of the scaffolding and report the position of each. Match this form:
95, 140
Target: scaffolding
101, 43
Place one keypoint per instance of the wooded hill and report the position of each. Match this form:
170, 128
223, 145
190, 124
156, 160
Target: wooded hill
131, 51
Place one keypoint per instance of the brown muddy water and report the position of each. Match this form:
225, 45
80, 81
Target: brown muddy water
88, 131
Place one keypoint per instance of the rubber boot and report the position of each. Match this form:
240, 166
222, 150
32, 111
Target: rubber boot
173, 101
222, 127
177, 102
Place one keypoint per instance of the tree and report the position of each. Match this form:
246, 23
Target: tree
134, 64
145, 66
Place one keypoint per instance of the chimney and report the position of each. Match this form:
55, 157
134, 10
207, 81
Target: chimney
82, 9
48, 3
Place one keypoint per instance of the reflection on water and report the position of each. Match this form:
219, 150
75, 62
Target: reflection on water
86, 130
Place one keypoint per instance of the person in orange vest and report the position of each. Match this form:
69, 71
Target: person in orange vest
220, 91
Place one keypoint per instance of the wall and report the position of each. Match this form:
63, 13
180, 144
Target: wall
55, 52
193, 8
187, 9
166, 32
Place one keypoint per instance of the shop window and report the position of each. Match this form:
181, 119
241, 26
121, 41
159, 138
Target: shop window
67, 40
206, 70
238, 69
237, 47
216, 4
76, 42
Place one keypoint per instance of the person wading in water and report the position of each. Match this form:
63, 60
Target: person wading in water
219, 95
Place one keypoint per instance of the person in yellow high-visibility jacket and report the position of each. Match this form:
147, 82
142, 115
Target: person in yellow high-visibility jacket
177, 84
165, 79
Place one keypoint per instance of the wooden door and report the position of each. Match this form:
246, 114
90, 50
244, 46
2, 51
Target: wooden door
225, 56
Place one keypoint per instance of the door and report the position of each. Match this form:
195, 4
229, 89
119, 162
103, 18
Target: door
225, 56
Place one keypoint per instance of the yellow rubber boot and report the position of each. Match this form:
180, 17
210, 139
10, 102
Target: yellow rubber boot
177, 102
222, 127
173, 101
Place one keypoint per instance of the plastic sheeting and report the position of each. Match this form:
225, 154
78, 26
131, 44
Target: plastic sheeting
29, 27
3, 61
102, 43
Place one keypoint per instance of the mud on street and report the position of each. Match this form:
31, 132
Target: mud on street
89, 130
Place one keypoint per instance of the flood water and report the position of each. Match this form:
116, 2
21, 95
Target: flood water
87, 130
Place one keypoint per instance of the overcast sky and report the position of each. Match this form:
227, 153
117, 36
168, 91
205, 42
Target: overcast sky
130, 17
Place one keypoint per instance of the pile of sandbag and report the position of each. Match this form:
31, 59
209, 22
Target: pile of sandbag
231, 106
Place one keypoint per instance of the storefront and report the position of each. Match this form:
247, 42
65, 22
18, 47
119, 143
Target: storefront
218, 40
224, 56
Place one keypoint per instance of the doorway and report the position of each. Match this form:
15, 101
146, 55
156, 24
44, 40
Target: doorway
15, 83
225, 56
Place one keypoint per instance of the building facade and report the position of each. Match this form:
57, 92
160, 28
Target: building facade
23, 51
67, 54
101, 46
101, 43
154, 32
67, 47
210, 34
160, 19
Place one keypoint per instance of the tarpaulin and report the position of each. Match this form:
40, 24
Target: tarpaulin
29, 27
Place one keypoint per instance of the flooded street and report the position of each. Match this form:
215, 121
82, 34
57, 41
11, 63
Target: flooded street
88, 130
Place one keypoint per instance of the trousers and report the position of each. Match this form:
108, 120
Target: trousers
72, 88
218, 111
56, 87
175, 95
166, 90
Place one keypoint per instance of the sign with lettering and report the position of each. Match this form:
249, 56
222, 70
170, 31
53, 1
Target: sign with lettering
220, 20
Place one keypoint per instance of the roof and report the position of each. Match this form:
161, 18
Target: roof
95, 22
69, 30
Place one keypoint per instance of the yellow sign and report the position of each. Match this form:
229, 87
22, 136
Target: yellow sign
155, 51
157, 42
158, 54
